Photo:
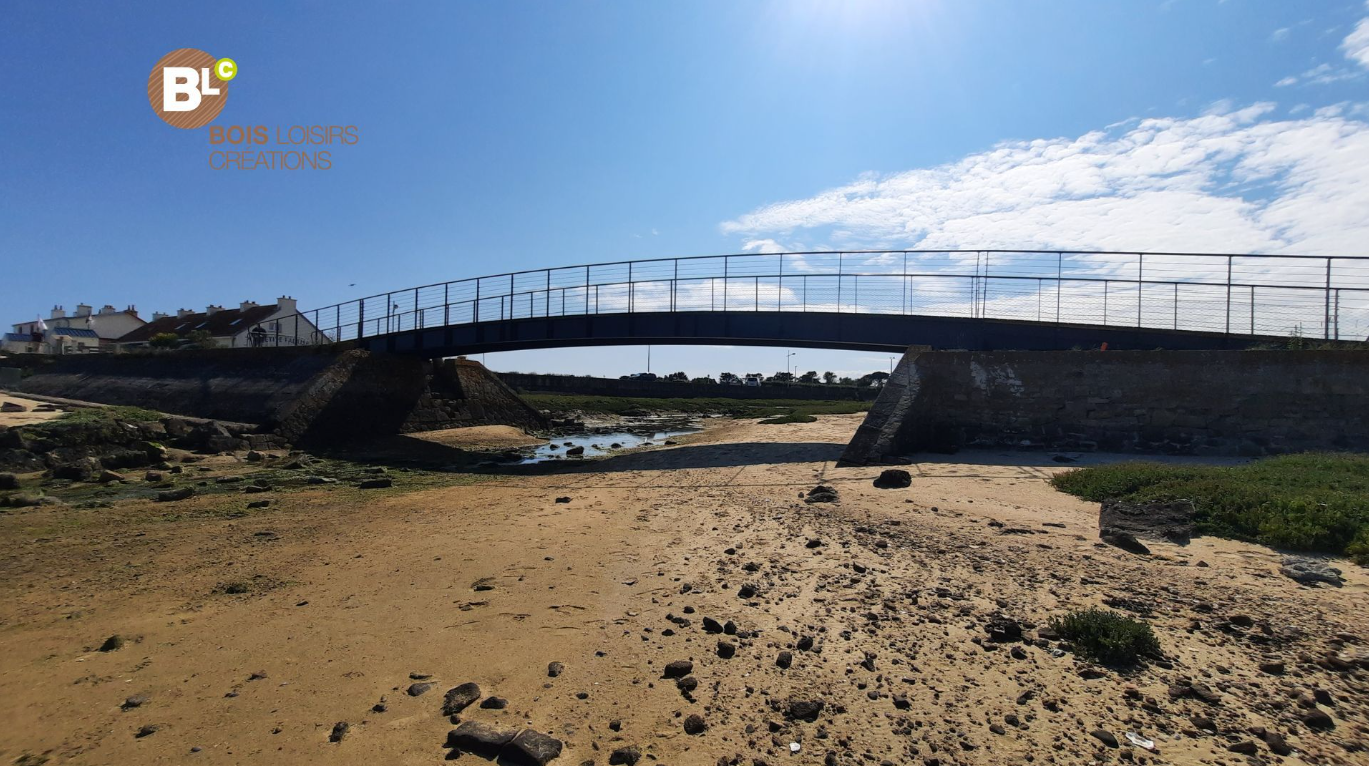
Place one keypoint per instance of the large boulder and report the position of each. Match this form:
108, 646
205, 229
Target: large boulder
1170, 521
80, 469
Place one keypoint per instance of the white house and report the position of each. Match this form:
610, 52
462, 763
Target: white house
248, 325
82, 332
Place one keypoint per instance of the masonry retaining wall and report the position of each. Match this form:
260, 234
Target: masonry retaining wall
1171, 402
309, 396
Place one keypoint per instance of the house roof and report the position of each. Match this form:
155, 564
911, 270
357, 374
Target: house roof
220, 324
74, 332
22, 337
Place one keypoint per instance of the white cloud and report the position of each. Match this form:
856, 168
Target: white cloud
763, 246
1285, 82
1356, 44
1279, 35
1230, 180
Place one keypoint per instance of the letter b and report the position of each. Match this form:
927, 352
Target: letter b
177, 80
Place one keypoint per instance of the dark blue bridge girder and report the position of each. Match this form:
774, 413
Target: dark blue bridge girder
855, 332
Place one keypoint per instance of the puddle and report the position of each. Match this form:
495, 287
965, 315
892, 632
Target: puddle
605, 440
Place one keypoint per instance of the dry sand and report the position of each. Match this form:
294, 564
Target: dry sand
350, 592
29, 415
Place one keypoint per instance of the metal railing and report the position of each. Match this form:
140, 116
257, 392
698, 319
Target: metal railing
1280, 295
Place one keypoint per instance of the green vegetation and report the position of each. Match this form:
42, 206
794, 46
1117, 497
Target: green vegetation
106, 414
1107, 637
716, 405
164, 340
793, 417
1310, 502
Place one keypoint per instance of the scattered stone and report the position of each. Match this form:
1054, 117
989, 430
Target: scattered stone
785, 659
134, 702
112, 644
712, 626
687, 684
378, 483
172, 495
1277, 744
678, 669
1106, 737
555, 669
148, 730
694, 724
339, 731
803, 709
746, 591
1003, 629
1309, 570
258, 504
478, 737
625, 756
533, 747
8, 481
1244, 747
418, 689
154, 477
1275, 667
1124, 540
563, 499
726, 649
459, 698
1316, 718
575, 451
494, 703
13, 407
814, 542
894, 478
107, 476
821, 494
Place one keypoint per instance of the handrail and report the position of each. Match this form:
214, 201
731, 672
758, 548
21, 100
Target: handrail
1340, 303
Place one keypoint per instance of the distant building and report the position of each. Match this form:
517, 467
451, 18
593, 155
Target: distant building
248, 325
82, 332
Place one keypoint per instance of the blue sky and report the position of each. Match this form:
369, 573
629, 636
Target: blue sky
503, 136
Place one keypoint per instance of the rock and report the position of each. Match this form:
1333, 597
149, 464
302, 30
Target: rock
803, 709
625, 756
1172, 521
1018, 653
1244, 747
339, 731
1124, 540
532, 748
1204, 692
813, 542
459, 698
712, 626
694, 724
1275, 667
494, 703
112, 644
746, 591
687, 684
1277, 744
1203, 722
894, 478
726, 649
418, 689
154, 476
316, 480
575, 451
172, 495
1003, 629
77, 470
678, 669
785, 659
255, 489
805, 643
254, 456
13, 407
1106, 737
1316, 718
258, 504
563, 499
555, 669
1309, 570
8, 481
134, 702
107, 476
480, 738
377, 483
148, 730
821, 494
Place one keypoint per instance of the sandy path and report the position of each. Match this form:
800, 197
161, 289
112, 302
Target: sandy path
910, 576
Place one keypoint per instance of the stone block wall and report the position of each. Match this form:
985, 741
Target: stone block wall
1170, 402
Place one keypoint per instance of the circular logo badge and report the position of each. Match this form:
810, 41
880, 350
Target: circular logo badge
188, 87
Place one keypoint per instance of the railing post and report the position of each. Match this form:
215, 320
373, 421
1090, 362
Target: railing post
726, 262
361, 318
1059, 282
1176, 305
779, 291
389, 309
1140, 283
674, 283
1252, 309
839, 260
756, 297
446, 303
546, 302
629, 287
1105, 301
1228, 295
475, 307
1326, 327
905, 287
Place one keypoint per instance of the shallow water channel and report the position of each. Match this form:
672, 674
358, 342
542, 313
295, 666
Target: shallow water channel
604, 440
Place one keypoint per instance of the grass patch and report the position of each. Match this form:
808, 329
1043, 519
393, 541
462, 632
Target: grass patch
793, 417
100, 415
1107, 637
1308, 502
737, 408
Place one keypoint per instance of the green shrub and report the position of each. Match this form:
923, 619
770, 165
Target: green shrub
793, 417
1310, 502
1107, 637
